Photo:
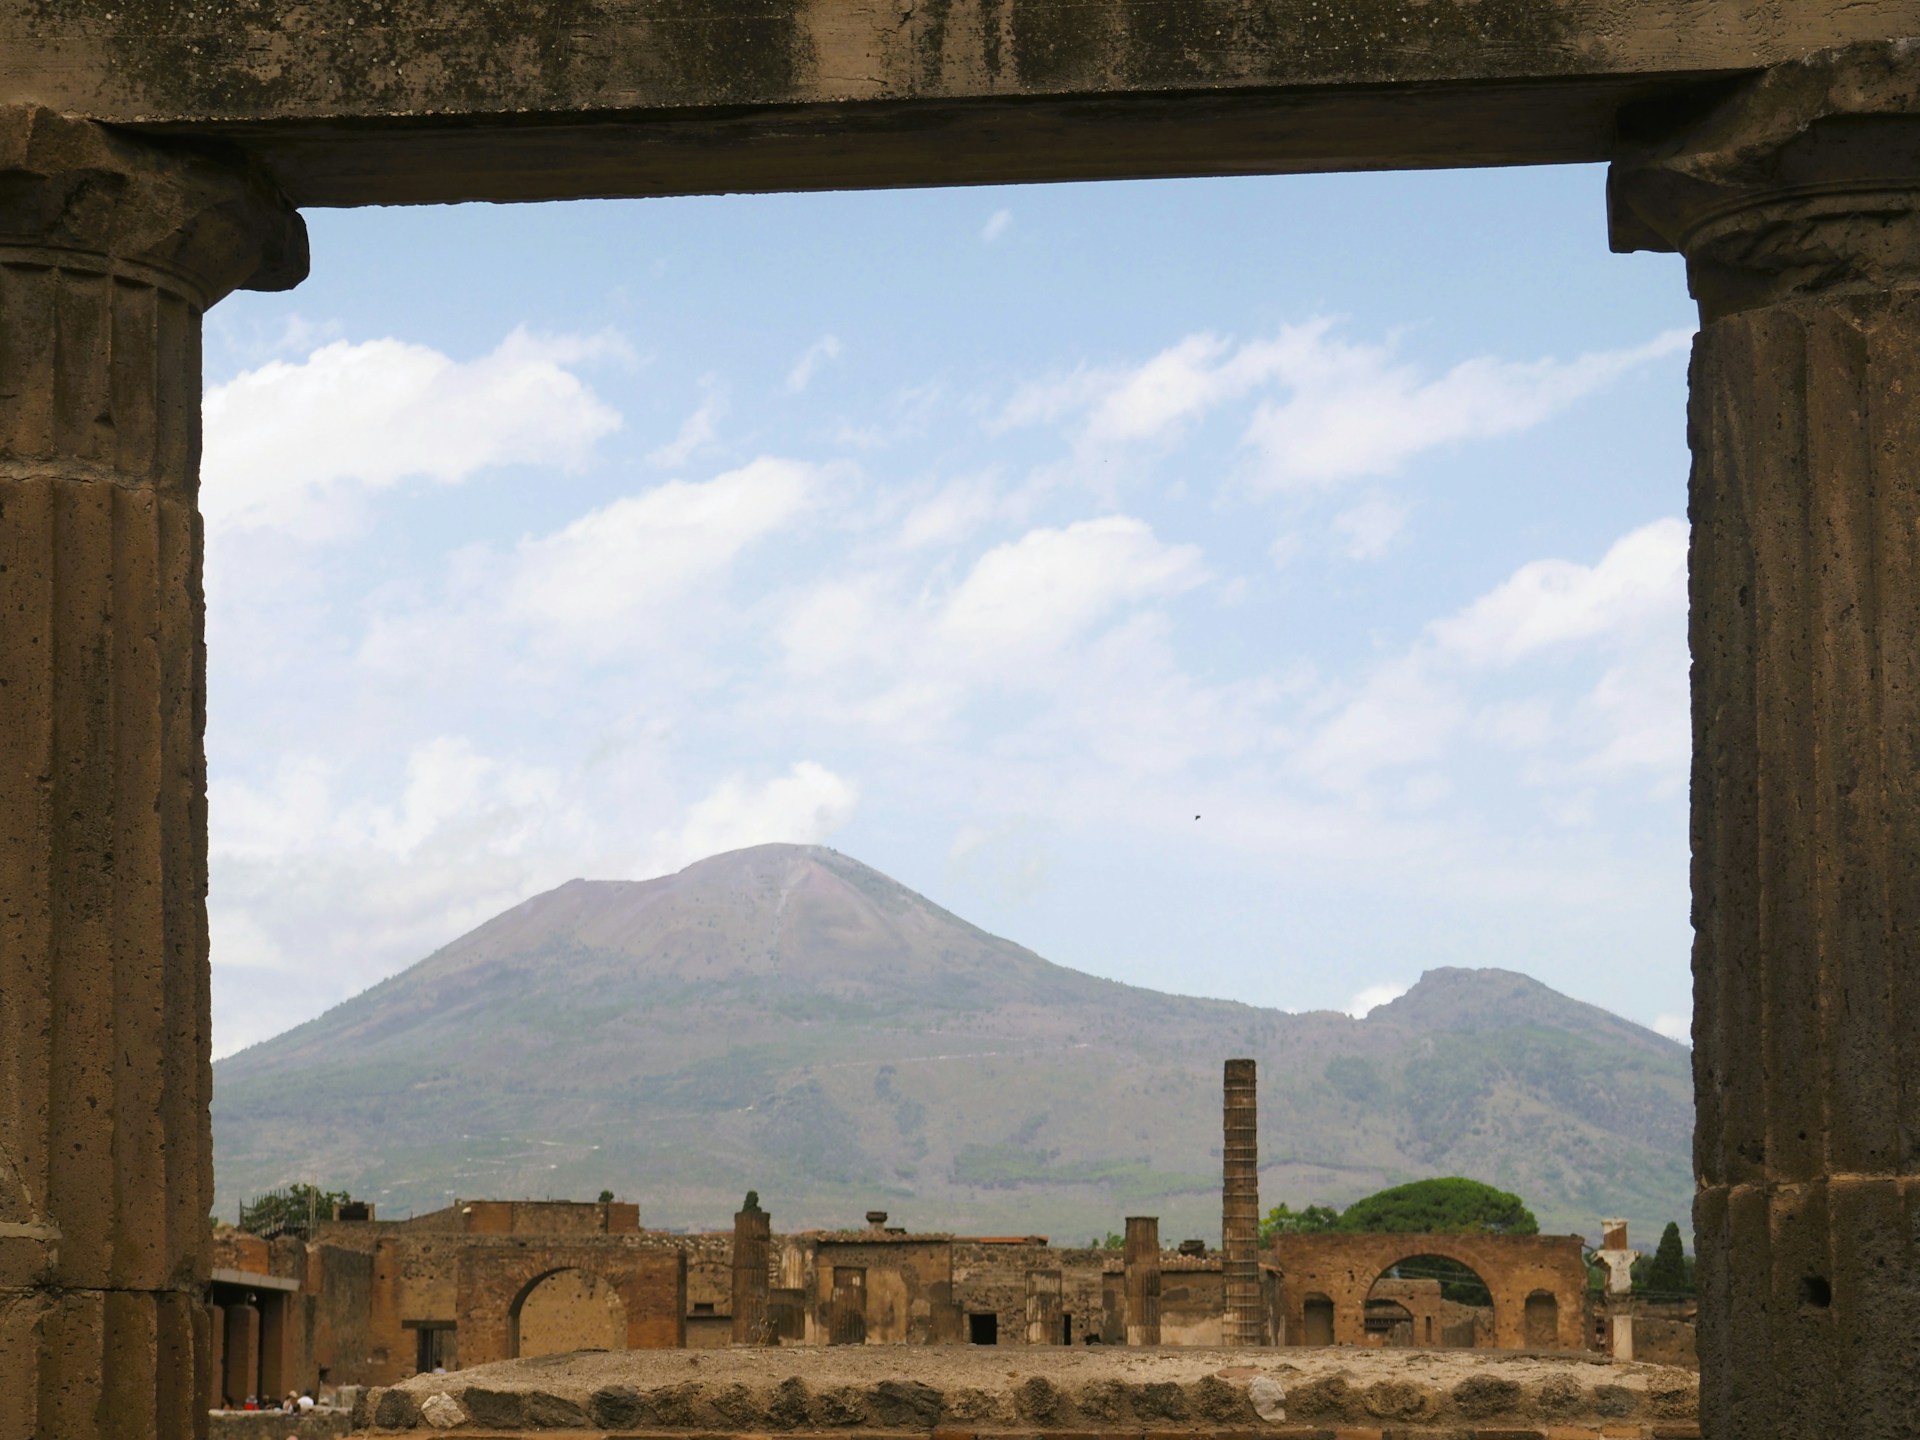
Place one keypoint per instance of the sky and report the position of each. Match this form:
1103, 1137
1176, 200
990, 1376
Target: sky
1260, 588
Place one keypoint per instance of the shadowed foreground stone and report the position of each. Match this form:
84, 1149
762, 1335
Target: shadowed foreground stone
110, 250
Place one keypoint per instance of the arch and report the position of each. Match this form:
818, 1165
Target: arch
1542, 1321
564, 1308
1429, 1298
1343, 1267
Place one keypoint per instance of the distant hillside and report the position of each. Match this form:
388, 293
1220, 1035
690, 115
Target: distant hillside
788, 1020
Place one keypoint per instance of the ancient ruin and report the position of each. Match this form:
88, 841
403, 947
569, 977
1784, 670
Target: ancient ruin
152, 158
372, 1302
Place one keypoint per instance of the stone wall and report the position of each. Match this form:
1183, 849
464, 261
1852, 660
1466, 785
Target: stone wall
1090, 1393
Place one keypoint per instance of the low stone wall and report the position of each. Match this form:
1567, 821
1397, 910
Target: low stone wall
278, 1425
978, 1393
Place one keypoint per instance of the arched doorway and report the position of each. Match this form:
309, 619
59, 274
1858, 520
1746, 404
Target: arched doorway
1426, 1301
1542, 1321
566, 1310
1317, 1320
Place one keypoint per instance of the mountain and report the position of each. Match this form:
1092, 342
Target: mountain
789, 1020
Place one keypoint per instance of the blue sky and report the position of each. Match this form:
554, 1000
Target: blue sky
989, 536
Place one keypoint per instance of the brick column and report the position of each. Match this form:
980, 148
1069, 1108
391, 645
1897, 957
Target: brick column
109, 252
1240, 1208
1142, 1259
752, 1242
1797, 205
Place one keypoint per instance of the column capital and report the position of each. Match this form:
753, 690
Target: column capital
200, 224
1804, 182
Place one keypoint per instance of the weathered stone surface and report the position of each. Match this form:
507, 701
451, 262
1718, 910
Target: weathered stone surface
1398, 1400
1269, 1397
442, 1411
1479, 1397
1797, 205
953, 1391
109, 251
398, 1410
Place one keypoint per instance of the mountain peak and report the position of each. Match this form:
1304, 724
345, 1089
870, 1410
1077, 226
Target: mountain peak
787, 1019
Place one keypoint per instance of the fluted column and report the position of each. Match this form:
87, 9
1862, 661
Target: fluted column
109, 252
1797, 206
1240, 1207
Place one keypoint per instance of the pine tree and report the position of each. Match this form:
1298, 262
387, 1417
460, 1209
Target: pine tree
1669, 1274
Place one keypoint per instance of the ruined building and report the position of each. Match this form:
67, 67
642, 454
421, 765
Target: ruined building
363, 1301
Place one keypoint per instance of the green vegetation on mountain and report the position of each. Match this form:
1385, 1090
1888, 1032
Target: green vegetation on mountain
788, 1019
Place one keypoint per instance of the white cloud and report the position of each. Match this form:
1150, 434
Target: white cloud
648, 570
997, 225
1674, 1026
1642, 579
1354, 410
1371, 527
611, 569
1373, 997
288, 442
696, 432
1627, 610
1034, 594
1328, 410
826, 348
802, 807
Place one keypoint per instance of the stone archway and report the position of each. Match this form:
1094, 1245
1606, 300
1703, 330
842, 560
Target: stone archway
1428, 1301
1339, 1273
564, 1310
496, 1281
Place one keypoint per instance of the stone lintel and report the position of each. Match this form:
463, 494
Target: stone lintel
416, 101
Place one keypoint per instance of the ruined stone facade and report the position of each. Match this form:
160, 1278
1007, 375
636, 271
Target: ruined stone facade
1538, 1284
372, 1302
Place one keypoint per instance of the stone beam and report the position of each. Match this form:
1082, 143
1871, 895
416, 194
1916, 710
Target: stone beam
352, 102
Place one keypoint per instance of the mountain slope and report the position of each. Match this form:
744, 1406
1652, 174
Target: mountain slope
789, 1020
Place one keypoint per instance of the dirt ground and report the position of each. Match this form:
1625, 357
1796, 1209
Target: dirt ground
897, 1388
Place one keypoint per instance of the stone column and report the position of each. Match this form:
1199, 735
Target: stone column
752, 1240
1797, 205
241, 1351
110, 249
1142, 1258
1240, 1208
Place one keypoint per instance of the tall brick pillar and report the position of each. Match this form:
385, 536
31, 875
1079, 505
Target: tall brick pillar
1142, 1259
1240, 1208
109, 251
752, 1244
1797, 205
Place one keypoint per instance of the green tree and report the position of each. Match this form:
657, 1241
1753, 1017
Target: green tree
606, 1197
1451, 1205
1312, 1220
1669, 1272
